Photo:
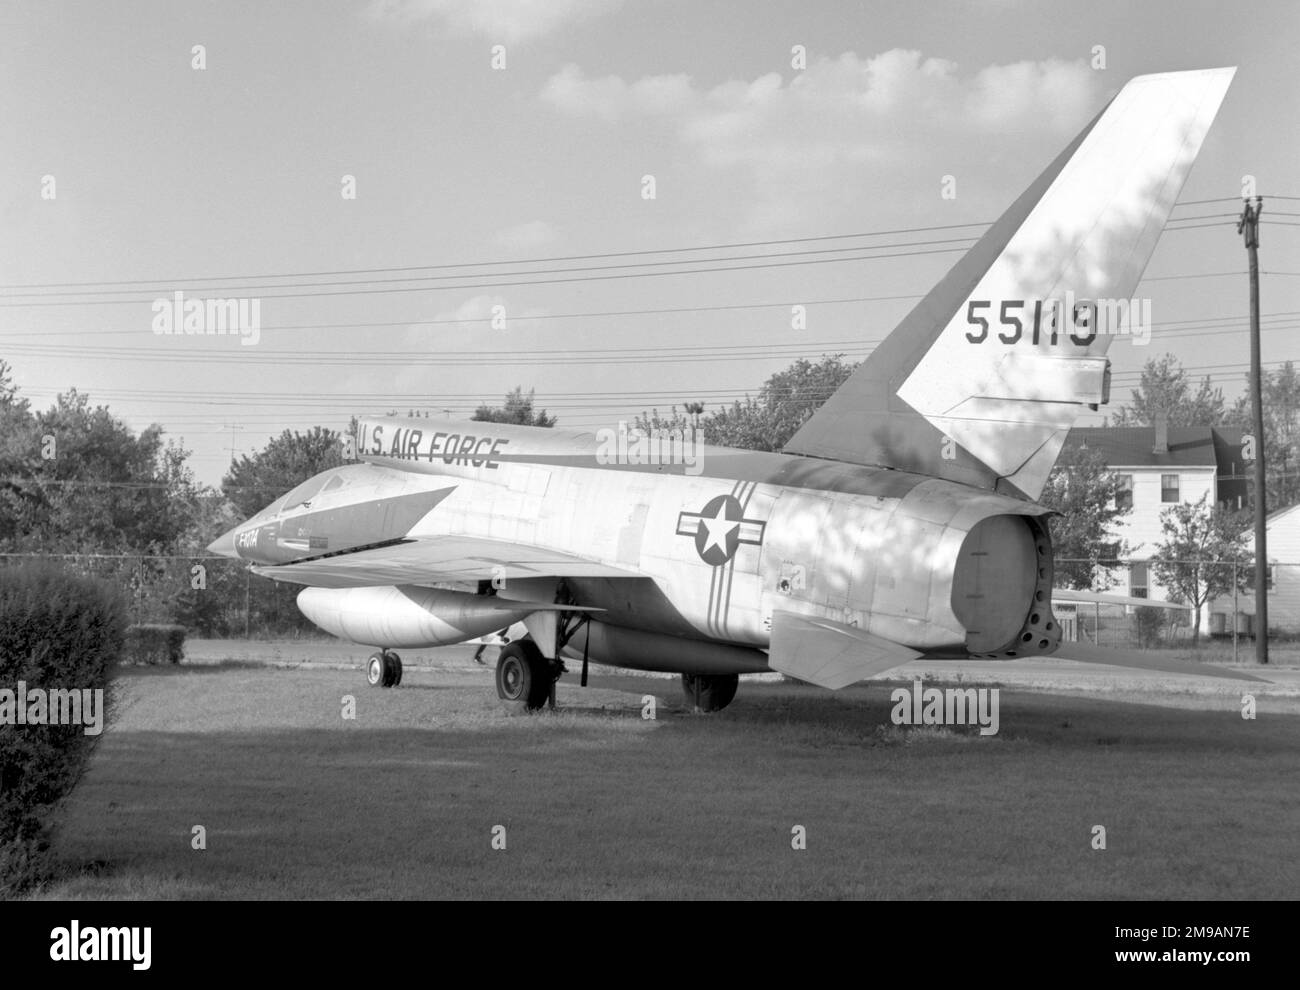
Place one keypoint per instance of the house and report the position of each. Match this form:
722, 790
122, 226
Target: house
1160, 466
1282, 533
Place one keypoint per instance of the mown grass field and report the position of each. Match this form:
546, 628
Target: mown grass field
597, 802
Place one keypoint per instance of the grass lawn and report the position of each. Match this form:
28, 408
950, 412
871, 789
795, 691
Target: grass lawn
596, 802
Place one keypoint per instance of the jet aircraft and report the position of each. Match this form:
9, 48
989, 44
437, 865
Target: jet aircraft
899, 522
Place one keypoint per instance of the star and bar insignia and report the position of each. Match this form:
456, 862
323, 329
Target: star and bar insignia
719, 529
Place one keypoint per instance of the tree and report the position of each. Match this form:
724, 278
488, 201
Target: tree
1165, 387
1194, 561
77, 479
766, 421
1084, 491
686, 423
284, 463
518, 409
19, 461
1281, 393
785, 402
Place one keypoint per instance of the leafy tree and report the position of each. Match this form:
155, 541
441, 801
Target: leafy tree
1165, 387
1194, 559
768, 420
285, 462
76, 479
784, 403
19, 460
687, 423
518, 409
1281, 393
1084, 492
8, 390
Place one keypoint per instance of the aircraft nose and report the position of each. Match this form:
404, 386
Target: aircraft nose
224, 545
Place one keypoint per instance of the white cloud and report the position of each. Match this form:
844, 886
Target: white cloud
850, 123
527, 236
611, 98
504, 21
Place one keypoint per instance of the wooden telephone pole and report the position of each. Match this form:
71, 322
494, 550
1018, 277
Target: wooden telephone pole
1248, 227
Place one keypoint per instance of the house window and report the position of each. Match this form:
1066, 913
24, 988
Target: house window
1124, 492
1169, 488
1137, 579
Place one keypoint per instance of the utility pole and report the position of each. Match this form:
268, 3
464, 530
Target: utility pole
1248, 227
232, 428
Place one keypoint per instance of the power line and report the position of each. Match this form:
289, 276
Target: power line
758, 349
553, 271
559, 258
556, 400
674, 310
600, 278
549, 281
512, 283
518, 261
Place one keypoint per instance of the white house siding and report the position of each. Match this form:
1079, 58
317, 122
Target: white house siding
1283, 530
1141, 529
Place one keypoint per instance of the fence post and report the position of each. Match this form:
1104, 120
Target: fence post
1234, 611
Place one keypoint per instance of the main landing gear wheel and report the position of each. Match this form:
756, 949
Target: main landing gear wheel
710, 692
384, 669
523, 675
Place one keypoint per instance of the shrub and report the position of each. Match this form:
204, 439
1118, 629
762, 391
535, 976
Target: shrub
57, 631
153, 643
1149, 623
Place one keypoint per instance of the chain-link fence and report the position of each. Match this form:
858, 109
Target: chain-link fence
1224, 591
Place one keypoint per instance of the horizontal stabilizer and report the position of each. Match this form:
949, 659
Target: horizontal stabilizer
1146, 660
1100, 598
830, 654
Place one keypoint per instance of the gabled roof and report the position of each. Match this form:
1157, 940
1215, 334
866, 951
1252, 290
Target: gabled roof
1277, 514
1134, 446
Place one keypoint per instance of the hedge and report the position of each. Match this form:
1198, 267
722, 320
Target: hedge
58, 633
153, 643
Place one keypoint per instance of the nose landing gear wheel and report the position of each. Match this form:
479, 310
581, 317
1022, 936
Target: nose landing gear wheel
384, 669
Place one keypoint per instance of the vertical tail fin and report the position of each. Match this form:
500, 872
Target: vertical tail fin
982, 381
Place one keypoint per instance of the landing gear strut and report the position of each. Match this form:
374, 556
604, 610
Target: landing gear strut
384, 669
710, 692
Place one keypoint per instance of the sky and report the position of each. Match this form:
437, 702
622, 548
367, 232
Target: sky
484, 139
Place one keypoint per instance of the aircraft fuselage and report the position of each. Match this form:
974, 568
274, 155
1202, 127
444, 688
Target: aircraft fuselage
925, 563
